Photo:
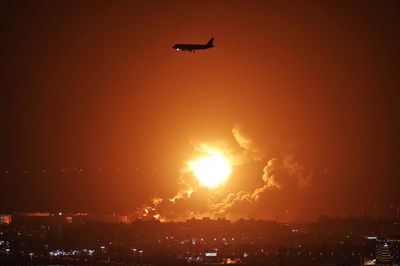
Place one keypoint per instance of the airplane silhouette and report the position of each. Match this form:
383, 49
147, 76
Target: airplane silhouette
193, 47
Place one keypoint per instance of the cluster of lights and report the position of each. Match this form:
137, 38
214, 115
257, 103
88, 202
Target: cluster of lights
58, 252
137, 251
191, 259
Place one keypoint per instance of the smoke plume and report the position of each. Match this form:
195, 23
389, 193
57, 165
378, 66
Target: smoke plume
280, 173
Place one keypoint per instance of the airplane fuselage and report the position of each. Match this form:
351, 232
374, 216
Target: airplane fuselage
193, 47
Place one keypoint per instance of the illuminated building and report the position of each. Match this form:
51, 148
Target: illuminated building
388, 251
383, 255
37, 218
84, 218
5, 218
210, 257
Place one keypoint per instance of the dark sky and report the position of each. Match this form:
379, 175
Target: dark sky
95, 85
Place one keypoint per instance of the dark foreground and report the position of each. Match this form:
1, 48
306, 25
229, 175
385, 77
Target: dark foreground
350, 241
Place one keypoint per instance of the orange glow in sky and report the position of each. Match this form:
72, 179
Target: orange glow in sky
212, 169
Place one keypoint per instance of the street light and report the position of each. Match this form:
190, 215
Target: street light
134, 254
31, 256
141, 256
8, 252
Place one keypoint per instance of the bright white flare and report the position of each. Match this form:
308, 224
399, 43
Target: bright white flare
211, 170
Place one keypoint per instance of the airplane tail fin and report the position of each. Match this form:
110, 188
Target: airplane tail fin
210, 42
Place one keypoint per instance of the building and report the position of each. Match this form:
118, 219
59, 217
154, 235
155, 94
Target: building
383, 254
37, 218
5, 218
97, 218
388, 251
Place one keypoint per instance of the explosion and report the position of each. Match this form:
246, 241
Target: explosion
205, 188
211, 170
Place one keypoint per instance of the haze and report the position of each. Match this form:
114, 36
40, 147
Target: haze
99, 114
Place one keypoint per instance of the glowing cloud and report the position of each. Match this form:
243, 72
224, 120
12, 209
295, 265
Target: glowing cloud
249, 151
243, 141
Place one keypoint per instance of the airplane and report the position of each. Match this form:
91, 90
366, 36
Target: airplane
193, 47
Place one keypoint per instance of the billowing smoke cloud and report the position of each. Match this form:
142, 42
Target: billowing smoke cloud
243, 141
249, 151
193, 201
272, 172
286, 172
278, 174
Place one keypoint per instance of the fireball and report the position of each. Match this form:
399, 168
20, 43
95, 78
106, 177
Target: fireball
212, 169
